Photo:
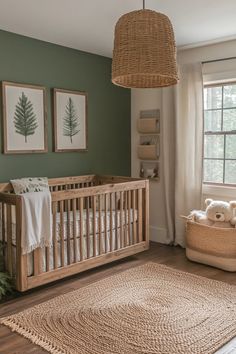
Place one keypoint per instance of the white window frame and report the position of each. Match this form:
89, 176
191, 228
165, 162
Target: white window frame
213, 188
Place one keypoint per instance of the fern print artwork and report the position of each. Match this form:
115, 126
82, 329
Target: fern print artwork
25, 119
70, 120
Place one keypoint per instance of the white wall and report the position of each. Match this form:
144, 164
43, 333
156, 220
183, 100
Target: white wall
206, 53
151, 99
142, 99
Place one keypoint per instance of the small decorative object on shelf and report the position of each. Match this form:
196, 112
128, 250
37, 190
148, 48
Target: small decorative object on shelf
149, 143
155, 173
149, 170
141, 174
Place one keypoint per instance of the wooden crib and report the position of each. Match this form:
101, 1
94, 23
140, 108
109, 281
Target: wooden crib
96, 220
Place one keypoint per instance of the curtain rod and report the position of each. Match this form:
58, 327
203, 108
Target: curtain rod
214, 61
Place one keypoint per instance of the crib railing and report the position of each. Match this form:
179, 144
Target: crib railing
96, 219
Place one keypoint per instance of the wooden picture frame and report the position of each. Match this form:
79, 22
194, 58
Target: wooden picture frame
70, 120
24, 118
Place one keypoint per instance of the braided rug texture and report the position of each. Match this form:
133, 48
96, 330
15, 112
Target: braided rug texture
147, 309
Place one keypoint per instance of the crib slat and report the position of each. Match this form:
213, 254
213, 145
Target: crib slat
105, 221
62, 233
94, 226
68, 232
37, 256
88, 227
47, 255
21, 259
129, 219
54, 231
99, 224
134, 219
74, 230
81, 206
111, 224
3, 234
126, 220
77, 200
9, 240
116, 222
140, 216
121, 220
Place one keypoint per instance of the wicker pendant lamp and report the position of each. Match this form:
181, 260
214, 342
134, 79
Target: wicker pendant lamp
144, 54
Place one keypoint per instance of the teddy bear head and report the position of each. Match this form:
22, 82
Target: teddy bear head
219, 211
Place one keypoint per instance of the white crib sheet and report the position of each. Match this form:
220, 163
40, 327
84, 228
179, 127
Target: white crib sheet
108, 223
112, 237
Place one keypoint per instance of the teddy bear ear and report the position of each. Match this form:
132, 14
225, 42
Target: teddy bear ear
208, 201
232, 204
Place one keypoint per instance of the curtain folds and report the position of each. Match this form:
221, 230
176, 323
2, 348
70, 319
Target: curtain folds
189, 145
168, 164
182, 111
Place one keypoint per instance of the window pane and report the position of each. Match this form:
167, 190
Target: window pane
213, 171
214, 146
229, 119
230, 96
213, 97
212, 121
230, 171
230, 152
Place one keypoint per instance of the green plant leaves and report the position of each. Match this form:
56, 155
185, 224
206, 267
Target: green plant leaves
71, 120
25, 119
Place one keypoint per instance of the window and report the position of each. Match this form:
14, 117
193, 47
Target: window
220, 133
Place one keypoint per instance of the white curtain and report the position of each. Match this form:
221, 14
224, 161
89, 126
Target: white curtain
168, 164
188, 145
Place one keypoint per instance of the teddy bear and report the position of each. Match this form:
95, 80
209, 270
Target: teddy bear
217, 214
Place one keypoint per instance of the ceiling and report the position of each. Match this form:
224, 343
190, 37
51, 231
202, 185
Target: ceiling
88, 25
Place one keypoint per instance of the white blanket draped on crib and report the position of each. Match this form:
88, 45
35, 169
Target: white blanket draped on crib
36, 221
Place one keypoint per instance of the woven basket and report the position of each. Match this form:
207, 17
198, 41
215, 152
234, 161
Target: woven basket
211, 245
147, 152
144, 52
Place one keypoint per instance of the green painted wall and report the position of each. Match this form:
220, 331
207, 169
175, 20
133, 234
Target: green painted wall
27, 60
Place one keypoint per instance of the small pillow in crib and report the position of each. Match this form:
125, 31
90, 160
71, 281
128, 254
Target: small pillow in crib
28, 185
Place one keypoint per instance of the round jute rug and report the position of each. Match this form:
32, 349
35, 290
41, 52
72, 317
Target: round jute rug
148, 309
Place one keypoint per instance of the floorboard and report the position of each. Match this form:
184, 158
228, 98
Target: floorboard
12, 343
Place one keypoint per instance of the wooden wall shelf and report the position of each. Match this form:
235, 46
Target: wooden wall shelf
148, 125
148, 150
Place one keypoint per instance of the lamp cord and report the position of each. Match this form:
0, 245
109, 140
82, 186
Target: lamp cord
143, 4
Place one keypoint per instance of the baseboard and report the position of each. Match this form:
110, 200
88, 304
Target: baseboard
158, 234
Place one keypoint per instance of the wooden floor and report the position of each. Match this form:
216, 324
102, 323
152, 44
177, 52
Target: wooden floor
172, 256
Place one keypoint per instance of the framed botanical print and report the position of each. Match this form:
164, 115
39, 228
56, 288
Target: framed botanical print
70, 121
24, 118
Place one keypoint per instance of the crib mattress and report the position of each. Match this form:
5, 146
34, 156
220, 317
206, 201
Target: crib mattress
110, 239
107, 222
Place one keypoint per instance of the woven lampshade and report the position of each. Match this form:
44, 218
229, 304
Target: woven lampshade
144, 52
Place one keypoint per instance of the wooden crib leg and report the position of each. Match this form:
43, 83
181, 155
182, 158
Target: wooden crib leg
21, 260
146, 214
9, 241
